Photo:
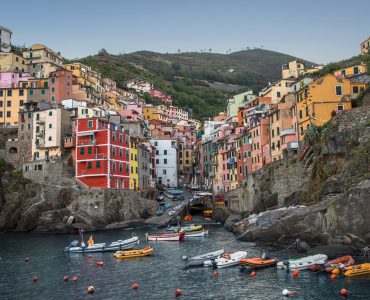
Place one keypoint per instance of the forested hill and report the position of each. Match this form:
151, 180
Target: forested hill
190, 77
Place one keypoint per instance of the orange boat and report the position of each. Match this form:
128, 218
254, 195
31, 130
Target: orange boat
339, 263
258, 262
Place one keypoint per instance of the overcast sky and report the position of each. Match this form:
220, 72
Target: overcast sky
319, 31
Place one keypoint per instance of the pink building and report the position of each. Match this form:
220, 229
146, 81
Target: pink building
60, 85
260, 135
13, 79
161, 96
177, 113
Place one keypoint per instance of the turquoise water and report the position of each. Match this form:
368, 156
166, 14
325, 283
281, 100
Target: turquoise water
158, 276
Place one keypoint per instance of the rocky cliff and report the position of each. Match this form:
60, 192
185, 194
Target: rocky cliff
29, 206
321, 195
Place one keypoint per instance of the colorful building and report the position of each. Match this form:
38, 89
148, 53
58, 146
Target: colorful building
237, 101
12, 62
151, 113
351, 70
293, 69
5, 39
60, 85
320, 100
134, 164
102, 154
276, 91
41, 61
50, 126
365, 45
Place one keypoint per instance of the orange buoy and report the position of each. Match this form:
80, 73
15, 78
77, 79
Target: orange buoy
26, 259
343, 292
135, 286
75, 279
65, 278
336, 271
91, 289
333, 276
100, 263
295, 273
178, 293
214, 274
35, 278
253, 273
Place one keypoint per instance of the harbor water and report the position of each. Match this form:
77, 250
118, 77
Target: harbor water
157, 276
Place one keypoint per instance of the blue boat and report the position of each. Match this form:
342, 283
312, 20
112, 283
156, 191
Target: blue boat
175, 192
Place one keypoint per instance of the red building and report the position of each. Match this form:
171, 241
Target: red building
102, 154
60, 85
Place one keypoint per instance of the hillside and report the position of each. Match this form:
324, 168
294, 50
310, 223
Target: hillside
190, 77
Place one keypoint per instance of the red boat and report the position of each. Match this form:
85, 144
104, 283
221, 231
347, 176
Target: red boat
339, 263
172, 237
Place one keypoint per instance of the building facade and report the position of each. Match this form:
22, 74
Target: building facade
166, 161
102, 154
5, 39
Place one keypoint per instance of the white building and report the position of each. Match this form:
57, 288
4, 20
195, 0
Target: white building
165, 161
5, 39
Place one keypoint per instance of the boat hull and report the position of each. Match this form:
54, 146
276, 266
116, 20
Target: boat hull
258, 263
195, 234
176, 237
304, 263
115, 246
133, 253
200, 259
223, 262
357, 270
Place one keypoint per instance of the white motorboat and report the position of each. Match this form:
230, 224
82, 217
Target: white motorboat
199, 259
171, 237
195, 234
303, 263
77, 247
226, 260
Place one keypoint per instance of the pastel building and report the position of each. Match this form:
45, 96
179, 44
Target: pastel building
134, 164
237, 101
365, 45
293, 69
12, 62
276, 91
41, 60
351, 70
60, 85
102, 154
50, 126
260, 140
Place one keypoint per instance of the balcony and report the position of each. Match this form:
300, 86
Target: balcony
292, 146
40, 121
289, 131
40, 145
86, 143
40, 133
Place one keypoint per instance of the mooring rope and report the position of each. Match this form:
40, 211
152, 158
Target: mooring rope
295, 243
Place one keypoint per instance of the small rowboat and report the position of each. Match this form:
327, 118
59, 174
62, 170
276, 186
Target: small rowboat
134, 253
195, 234
303, 263
339, 263
258, 262
171, 237
75, 246
199, 259
226, 260
357, 270
187, 228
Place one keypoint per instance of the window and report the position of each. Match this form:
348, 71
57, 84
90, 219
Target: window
164, 172
355, 70
89, 150
8, 103
121, 167
50, 138
338, 90
31, 92
113, 151
120, 138
1, 103
114, 136
9, 93
1, 93
114, 166
89, 165
97, 164
165, 161
52, 90
306, 111
300, 114
165, 152
278, 94
50, 125
273, 133
278, 131
50, 113
42, 92
355, 90
21, 92
121, 152
82, 150
127, 153
157, 152
90, 123
8, 114
53, 80
157, 161
156, 144
302, 131
21, 102
340, 107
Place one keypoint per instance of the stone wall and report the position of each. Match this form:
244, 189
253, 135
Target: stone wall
269, 187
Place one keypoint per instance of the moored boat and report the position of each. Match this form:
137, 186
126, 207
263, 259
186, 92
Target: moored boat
258, 262
303, 263
171, 237
357, 270
194, 234
133, 253
339, 263
199, 260
187, 228
226, 260
77, 247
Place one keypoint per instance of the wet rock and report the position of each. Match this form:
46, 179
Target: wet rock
302, 247
231, 221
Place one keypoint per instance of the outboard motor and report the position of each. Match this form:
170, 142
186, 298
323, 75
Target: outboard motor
75, 243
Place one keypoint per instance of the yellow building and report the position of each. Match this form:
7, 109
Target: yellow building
85, 76
278, 90
151, 112
320, 100
134, 153
352, 70
12, 62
